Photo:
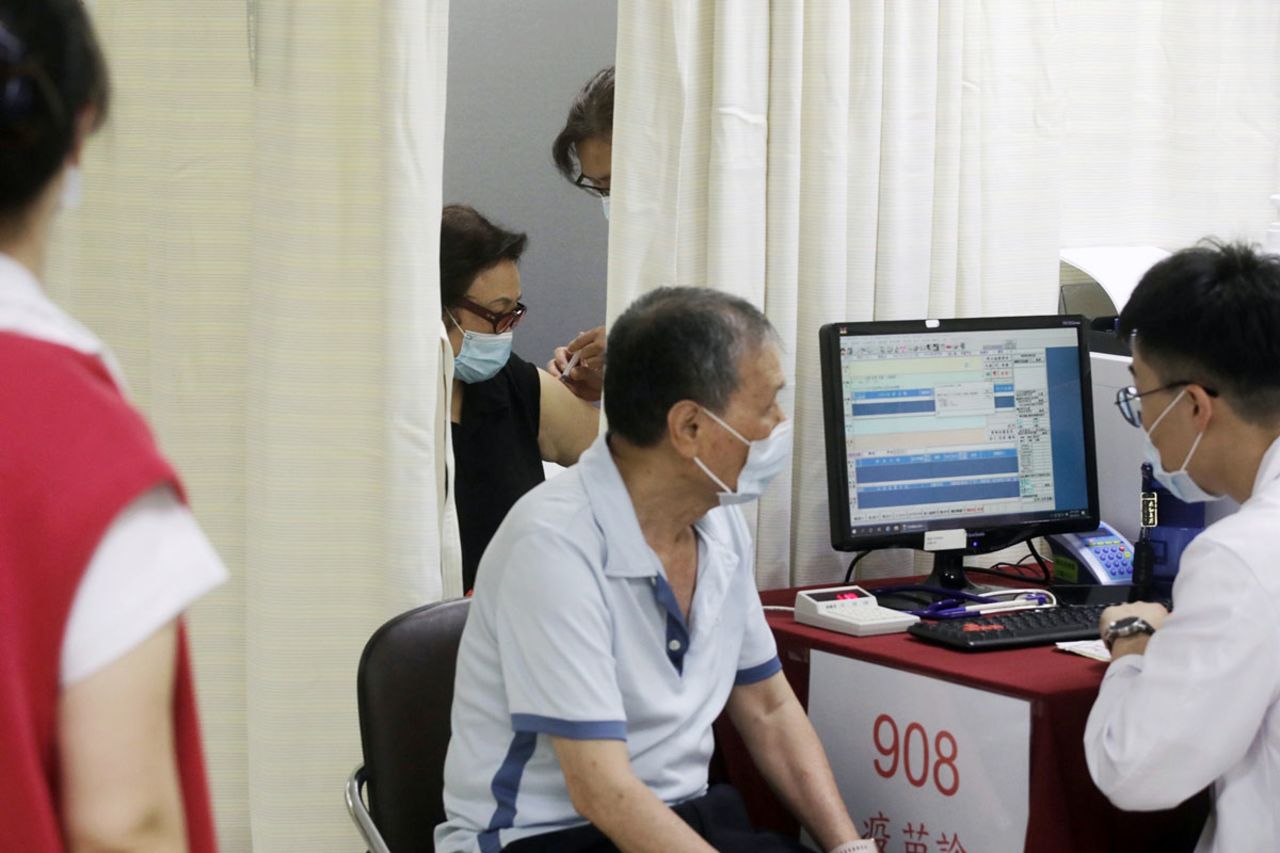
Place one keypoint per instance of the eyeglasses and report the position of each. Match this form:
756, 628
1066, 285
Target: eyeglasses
582, 182
503, 322
1129, 401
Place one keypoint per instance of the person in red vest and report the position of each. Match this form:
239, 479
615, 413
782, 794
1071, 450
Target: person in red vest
99, 556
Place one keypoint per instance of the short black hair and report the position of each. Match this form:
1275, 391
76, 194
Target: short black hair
51, 69
673, 344
469, 245
590, 115
1210, 314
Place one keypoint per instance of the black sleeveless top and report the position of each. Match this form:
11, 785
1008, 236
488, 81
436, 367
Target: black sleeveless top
496, 455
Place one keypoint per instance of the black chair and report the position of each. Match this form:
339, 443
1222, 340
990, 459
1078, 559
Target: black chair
404, 688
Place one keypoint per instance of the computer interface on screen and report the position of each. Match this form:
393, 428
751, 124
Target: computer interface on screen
958, 426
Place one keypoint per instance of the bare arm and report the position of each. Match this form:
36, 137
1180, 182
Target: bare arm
787, 750
119, 774
606, 792
567, 425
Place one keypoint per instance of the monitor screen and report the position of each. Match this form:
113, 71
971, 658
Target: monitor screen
977, 431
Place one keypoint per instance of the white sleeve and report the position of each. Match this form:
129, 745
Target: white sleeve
758, 657
1170, 721
152, 564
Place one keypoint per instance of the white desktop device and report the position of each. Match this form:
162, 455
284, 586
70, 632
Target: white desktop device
849, 610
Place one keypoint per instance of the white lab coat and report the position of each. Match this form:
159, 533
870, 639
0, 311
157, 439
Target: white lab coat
1202, 705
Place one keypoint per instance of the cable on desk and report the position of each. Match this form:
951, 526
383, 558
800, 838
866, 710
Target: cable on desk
1046, 575
848, 576
1044, 568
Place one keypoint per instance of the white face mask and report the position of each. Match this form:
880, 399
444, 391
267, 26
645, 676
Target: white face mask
1179, 483
72, 189
604, 203
765, 459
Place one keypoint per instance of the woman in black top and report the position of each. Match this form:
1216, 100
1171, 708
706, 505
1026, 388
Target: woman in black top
508, 415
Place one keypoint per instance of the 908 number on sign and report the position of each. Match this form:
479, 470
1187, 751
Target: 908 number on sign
909, 750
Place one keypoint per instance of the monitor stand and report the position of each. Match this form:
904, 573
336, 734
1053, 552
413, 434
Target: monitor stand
948, 573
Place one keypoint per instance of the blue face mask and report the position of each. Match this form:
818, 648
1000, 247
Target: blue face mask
1179, 483
482, 355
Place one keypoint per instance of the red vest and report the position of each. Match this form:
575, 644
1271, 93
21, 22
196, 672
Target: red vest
73, 454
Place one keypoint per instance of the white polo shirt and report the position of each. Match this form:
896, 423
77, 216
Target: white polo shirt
575, 632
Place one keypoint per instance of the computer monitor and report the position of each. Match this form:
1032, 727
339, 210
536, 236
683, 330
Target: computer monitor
957, 436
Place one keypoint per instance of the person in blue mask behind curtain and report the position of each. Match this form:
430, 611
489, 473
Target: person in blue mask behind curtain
1192, 697
508, 416
616, 615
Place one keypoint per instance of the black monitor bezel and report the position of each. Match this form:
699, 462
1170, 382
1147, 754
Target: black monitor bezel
978, 541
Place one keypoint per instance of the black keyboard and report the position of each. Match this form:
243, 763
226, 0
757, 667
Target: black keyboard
1011, 630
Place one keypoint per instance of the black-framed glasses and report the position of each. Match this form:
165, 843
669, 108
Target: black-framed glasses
582, 182
1129, 401
504, 322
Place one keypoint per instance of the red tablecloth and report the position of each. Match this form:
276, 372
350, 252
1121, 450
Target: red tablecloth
1068, 813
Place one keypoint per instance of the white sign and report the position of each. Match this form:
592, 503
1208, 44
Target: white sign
924, 765
944, 540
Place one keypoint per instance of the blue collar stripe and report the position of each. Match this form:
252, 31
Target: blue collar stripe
677, 631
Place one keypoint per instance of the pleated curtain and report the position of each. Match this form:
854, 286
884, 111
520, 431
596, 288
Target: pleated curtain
258, 244
900, 159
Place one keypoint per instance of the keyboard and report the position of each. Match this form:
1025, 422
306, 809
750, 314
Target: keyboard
1013, 630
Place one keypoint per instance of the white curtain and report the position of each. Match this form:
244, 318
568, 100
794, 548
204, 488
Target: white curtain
891, 159
258, 244
1172, 117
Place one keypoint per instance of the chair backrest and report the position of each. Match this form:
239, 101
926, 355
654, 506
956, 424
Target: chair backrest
405, 692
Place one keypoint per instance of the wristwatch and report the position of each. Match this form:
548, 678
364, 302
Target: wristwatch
1127, 626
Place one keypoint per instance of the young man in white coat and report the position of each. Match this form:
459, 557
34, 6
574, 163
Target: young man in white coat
1192, 698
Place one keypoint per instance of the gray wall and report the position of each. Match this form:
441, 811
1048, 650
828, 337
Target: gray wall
514, 67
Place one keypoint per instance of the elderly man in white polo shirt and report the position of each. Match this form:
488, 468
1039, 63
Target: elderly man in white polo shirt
616, 616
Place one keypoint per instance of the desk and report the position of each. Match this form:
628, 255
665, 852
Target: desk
1067, 813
